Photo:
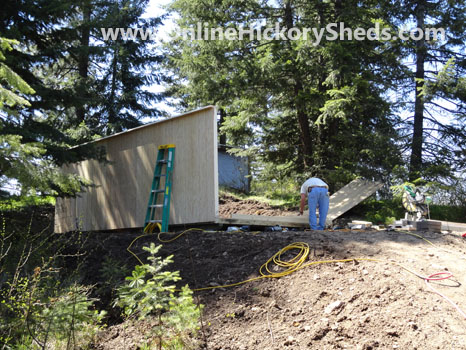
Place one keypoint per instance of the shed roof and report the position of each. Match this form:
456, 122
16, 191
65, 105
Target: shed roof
155, 122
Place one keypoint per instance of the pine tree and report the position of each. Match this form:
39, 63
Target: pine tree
85, 86
318, 108
23, 161
436, 134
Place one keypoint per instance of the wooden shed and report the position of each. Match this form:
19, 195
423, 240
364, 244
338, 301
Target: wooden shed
118, 199
120, 192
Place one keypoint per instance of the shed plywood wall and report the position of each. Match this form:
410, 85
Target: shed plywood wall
120, 194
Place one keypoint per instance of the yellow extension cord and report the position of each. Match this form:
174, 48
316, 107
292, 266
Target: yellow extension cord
298, 262
288, 266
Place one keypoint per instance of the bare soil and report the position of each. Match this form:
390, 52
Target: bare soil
231, 205
354, 305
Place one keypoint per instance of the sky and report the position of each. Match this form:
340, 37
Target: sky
155, 9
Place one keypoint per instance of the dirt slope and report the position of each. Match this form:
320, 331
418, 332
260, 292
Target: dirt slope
355, 305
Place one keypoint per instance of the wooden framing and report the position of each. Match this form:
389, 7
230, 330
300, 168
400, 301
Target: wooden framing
119, 197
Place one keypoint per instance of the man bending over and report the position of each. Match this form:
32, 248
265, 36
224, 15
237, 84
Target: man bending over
317, 192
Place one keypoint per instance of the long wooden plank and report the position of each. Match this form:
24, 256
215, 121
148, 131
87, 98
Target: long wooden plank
291, 221
453, 226
350, 196
119, 197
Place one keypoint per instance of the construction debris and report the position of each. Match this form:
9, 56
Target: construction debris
421, 225
360, 225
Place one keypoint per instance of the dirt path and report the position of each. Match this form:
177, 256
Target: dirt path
355, 305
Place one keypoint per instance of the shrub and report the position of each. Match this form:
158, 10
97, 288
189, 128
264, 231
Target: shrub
35, 319
388, 210
150, 291
37, 311
70, 320
378, 211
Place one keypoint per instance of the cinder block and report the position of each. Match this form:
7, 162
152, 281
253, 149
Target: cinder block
428, 225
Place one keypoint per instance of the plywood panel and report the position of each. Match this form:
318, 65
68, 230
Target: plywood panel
120, 193
350, 196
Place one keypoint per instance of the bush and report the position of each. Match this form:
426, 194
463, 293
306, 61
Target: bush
18, 202
70, 319
379, 212
34, 318
448, 213
37, 311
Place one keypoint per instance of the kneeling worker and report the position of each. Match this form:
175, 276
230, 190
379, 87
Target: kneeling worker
317, 192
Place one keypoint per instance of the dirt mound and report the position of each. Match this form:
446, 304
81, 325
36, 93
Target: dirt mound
352, 305
231, 205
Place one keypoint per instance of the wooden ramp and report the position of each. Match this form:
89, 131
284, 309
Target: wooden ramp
350, 196
340, 202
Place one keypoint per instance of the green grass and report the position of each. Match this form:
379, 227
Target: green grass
388, 210
20, 202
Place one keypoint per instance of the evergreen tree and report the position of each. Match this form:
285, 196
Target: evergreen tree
436, 134
318, 108
85, 86
23, 161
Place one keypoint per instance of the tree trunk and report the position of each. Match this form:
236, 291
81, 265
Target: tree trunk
415, 164
112, 112
223, 137
83, 59
303, 120
326, 132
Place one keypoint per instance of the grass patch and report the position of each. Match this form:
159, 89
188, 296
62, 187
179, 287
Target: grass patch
21, 202
388, 210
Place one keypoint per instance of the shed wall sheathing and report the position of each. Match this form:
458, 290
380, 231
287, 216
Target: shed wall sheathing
119, 195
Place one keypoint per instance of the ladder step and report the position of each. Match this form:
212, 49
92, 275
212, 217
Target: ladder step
165, 157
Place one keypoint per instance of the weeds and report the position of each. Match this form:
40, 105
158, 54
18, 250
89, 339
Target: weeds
37, 311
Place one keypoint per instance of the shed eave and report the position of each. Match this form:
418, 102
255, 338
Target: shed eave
148, 124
